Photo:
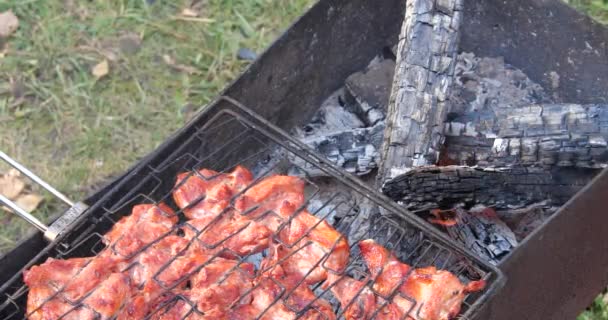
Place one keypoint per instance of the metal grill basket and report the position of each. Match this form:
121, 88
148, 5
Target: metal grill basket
228, 135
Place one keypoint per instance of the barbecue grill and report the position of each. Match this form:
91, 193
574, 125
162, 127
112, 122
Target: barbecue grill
254, 144
289, 81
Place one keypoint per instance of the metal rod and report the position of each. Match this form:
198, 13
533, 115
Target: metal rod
23, 214
35, 178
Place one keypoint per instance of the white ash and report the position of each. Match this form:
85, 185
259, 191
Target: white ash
486, 89
354, 150
345, 133
330, 118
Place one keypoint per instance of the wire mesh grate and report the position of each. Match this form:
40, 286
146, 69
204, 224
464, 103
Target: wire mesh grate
222, 255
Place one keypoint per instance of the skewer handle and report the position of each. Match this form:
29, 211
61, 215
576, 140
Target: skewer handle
13, 163
23, 214
50, 232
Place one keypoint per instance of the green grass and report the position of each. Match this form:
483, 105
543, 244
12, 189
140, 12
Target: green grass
597, 311
75, 130
598, 9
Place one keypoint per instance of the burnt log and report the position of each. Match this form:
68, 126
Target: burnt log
563, 135
426, 188
426, 58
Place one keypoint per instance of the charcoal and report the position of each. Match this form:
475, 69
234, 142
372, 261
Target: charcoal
421, 87
331, 117
367, 92
355, 150
483, 232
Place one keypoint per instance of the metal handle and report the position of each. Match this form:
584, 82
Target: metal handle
50, 232
35, 178
23, 214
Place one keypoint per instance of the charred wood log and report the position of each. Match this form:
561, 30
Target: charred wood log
426, 188
563, 135
424, 72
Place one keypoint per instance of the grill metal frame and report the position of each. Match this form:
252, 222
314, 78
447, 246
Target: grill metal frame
84, 237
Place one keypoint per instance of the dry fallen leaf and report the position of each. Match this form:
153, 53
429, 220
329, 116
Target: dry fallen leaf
11, 184
188, 12
29, 202
179, 67
8, 23
101, 69
13, 187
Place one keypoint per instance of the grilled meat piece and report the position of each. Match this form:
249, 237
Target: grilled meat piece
310, 246
164, 266
74, 278
78, 278
298, 297
204, 198
61, 309
269, 195
376, 256
438, 294
326, 244
303, 262
44, 281
220, 284
229, 234
145, 224
110, 295
161, 268
358, 302
265, 303
208, 192
179, 309
58, 289
387, 272
356, 299
302, 300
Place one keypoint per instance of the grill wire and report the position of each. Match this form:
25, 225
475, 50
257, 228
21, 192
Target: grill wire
265, 153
